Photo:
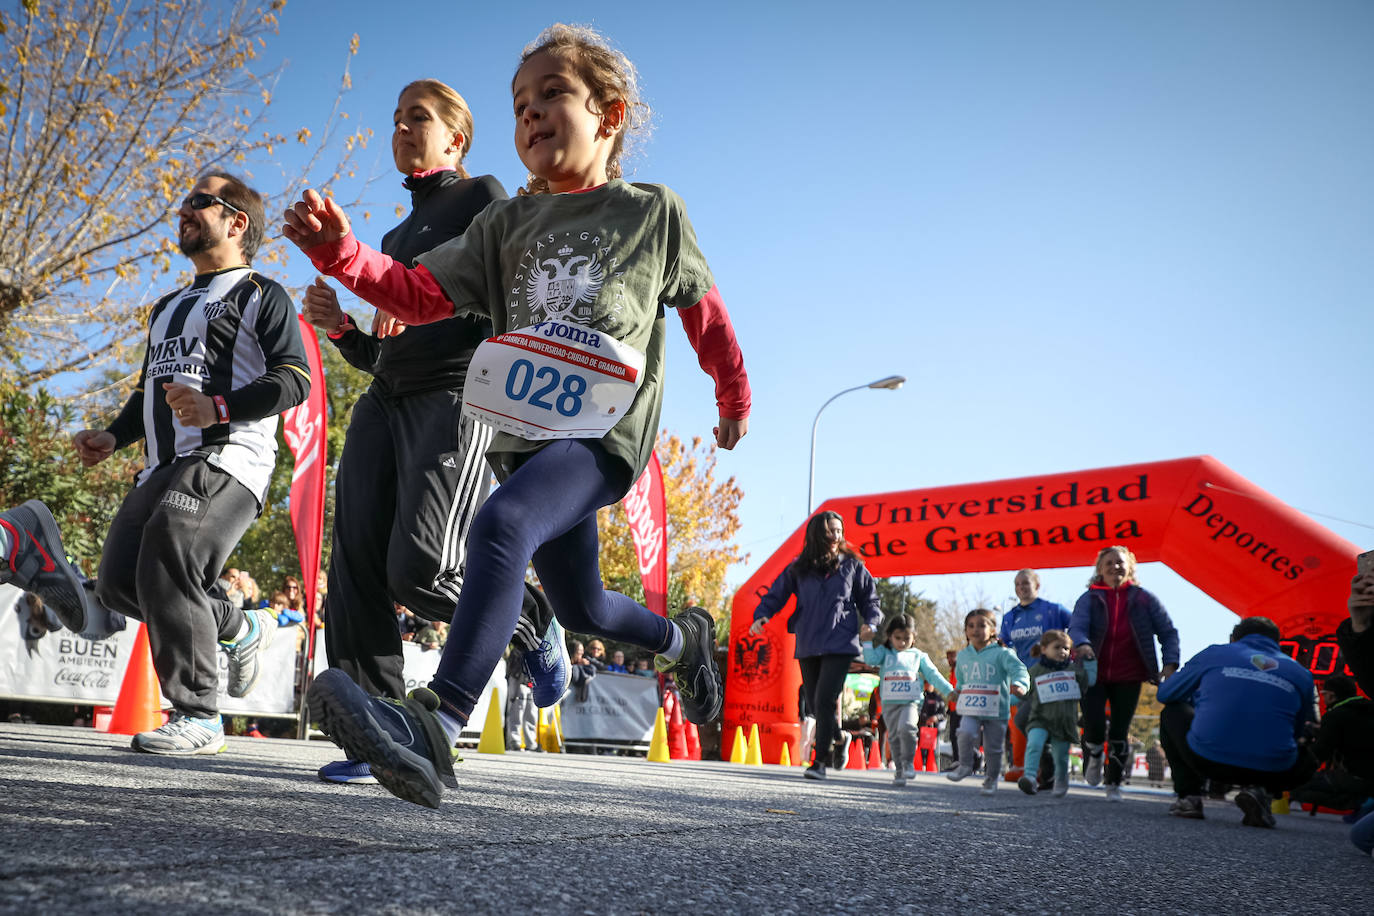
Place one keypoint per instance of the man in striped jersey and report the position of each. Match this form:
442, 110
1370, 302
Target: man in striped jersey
224, 357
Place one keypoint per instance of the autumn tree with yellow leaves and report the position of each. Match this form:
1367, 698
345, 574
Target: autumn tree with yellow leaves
108, 113
703, 518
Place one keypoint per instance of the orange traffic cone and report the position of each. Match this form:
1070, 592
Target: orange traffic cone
677, 737
139, 707
856, 755
875, 755
693, 741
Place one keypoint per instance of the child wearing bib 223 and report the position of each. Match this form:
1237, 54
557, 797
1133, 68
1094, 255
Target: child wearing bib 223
904, 670
989, 674
1056, 687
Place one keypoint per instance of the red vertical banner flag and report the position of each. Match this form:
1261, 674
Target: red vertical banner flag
303, 426
647, 509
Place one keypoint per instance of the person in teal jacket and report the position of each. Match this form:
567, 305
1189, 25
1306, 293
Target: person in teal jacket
905, 670
989, 674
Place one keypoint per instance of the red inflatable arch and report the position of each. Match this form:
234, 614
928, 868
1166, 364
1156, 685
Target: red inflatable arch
1249, 551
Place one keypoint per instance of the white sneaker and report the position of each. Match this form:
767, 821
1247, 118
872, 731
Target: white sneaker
988, 789
183, 736
1114, 794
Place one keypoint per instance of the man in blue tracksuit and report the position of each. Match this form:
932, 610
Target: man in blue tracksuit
1022, 627
1234, 714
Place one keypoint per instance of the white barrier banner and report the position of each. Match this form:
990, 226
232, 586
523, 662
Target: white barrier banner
619, 707
65, 667
418, 670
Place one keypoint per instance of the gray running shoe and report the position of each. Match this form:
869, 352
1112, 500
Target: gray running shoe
1061, 786
183, 736
1092, 770
402, 741
37, 563
243, 655
1027, 784
1114, 794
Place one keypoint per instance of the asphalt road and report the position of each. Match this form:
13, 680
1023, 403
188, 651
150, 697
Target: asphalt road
89, 826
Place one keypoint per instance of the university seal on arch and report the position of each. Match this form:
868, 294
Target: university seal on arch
756, 660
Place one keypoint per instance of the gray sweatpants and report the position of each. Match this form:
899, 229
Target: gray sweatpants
903, 733
166, 547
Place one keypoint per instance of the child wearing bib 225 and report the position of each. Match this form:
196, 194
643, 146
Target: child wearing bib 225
904, 670
989, 674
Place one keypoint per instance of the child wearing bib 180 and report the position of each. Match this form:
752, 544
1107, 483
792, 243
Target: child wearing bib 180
905, 670
1056, 687
989, 674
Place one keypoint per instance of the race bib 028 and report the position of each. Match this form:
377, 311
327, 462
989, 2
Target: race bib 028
552, 380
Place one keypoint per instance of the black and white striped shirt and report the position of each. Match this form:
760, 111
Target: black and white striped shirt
232, 333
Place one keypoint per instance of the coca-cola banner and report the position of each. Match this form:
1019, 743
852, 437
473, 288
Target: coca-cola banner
303, 427
63, 667
648, 515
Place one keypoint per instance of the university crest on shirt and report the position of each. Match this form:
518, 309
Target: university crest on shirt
565, 286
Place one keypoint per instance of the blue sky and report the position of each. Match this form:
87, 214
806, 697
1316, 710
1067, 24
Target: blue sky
1088, 234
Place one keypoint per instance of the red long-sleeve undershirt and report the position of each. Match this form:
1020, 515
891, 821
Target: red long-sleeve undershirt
415, 297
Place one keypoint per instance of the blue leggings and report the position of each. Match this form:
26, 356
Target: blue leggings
1059, 750
544, 513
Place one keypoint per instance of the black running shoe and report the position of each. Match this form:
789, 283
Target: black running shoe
37, 563
1257, 805
698, 679
815, 771
402, 741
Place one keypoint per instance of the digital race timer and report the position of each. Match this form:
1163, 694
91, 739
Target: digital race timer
1321, 656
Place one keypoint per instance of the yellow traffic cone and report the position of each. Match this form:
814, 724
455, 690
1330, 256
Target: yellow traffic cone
1279, 805
540, 729
493, 740
658, 747
737, 746
556, 731
785, 758
753, 754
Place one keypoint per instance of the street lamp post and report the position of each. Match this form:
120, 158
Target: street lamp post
891, 383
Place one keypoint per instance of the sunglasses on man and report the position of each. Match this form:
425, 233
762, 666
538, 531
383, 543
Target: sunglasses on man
202, 200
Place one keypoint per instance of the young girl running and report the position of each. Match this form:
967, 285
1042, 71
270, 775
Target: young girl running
905, 670
988, 674
573, 275
1056, 687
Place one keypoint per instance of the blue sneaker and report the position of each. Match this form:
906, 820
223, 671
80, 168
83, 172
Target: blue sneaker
402, 741
348, 773
547, 667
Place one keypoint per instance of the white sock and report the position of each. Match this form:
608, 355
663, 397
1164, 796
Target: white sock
452, 727
4, 544
675, 643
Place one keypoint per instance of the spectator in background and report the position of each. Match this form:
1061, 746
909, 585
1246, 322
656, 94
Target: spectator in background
644, 667
1117, 622
522, 715
1356, 639
617, 663
580, 670
1234, 714
406, 622
431, 635
248, 587
1021, 629
295, 595
596, 654
1345, 744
